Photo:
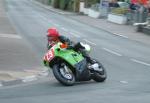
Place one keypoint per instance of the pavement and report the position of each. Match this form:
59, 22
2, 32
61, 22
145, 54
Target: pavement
18, 62
126, 31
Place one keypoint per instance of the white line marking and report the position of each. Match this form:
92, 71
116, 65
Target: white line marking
46, 19
56, 24
89, 41
1, 85
10, 36
43, 17
29, 78
124, 82
113, 52
44, 73
74, 34
66, 30
59, 12
120, 35
140, 62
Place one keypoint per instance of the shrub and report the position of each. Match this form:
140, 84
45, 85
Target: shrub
123, 11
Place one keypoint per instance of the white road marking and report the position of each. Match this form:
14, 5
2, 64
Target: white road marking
124, 82
121, 35
89, 41
74, 34
112, 52
1, 85
39, 72
140, 62
56, 24
10, 36
46, 19
44, 73
64, 29
29, 78
43, 17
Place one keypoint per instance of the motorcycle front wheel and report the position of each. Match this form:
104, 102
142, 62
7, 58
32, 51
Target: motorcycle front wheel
64, 74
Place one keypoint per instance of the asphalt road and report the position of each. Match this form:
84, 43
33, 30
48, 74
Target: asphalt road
127, 62
16, 56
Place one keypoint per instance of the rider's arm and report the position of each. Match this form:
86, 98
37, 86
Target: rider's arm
48, 46
64, 39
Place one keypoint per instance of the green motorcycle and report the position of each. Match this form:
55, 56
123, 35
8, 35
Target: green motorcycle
69, 66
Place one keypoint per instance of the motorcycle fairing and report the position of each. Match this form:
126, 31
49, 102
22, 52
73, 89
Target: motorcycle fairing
69, 56
82, 73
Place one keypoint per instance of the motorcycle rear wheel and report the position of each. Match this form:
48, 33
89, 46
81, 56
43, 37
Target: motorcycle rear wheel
67, 79
100, 76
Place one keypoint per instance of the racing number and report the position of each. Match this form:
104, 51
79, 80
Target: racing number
50, 54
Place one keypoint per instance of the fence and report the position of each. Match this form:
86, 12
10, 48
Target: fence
137, 17
133, 16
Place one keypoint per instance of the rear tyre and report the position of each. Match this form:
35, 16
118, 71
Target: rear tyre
100, 76
64, 74
139, 28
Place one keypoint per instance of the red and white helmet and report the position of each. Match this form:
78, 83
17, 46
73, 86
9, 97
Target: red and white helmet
52, 32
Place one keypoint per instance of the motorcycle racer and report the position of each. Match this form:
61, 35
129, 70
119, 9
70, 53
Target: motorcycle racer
54, 37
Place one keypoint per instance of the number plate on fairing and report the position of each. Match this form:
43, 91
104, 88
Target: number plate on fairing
49, 55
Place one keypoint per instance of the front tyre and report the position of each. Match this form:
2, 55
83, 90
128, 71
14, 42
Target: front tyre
100, 76
64, 74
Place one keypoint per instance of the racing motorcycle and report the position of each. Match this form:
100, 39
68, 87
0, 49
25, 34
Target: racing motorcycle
69, 66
